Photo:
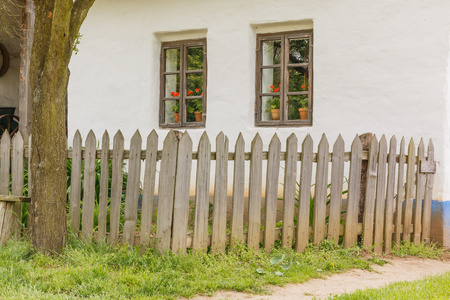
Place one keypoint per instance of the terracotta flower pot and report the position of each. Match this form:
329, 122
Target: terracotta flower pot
177, 117
275, 114
303, 113
198, 116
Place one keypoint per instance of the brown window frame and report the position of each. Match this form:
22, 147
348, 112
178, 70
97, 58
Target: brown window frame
284, 65
182, 45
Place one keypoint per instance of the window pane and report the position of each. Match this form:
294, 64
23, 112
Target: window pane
194, 84
172, 60
171, 111
270, 108
195, 58
172, 86
271, 52
270, 80
194, 110
298, 107
298, 51
298, 79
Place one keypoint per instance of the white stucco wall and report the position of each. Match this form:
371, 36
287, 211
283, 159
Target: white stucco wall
379, 66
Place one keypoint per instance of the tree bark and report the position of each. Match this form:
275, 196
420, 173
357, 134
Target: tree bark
56, 27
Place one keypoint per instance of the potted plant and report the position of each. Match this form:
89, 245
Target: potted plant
196, 107
176, 107
303, 110
273, 104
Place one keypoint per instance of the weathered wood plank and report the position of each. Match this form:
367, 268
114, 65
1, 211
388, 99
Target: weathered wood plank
17, 168
369, 206
166, 191
104, 186
255, 185
181, 202
351, 220
132, 193
3, 207
389, 216
289, 189
400, 193
10, 198
237, 215
26, 43
116, 187
420, 190
320, 196
337, 181
409, 194
302, 232
426, 214
272, 178
75, 183
219, 222
7, 223
200, 236
149, 188
380, 204
5, 164
87, 217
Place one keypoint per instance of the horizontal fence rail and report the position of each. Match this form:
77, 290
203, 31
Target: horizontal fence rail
208, 200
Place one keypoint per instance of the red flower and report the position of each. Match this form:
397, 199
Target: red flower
172, 94
189, 93
276, 90
303, 86
279, 84
271, 86
197, 90
201, 94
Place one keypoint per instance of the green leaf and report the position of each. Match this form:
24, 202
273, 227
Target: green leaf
277, 259
286, 266
278, 273
260, 271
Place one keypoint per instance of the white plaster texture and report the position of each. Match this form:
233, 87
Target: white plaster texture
379, 66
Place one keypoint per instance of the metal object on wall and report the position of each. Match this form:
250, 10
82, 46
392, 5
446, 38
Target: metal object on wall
5, 64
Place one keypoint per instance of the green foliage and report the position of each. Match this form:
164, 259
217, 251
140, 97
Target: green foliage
176, 107
272, 103
102, 272
422, 250
76, 43
435, 287
311, 202
195, 105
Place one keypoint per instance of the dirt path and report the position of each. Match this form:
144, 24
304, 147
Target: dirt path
398, 269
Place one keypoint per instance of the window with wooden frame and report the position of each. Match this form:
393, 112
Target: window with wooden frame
284, 79
183, 84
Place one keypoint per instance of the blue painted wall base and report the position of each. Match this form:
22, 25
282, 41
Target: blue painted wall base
440, 222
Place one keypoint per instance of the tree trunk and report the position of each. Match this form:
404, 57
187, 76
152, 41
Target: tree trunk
56, 27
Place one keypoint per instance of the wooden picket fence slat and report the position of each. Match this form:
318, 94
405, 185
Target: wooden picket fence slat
309, 200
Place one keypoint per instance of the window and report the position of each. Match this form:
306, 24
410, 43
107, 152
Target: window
284, 79
183, 84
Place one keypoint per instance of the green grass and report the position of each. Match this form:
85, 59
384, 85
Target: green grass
101, 272
436, 287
